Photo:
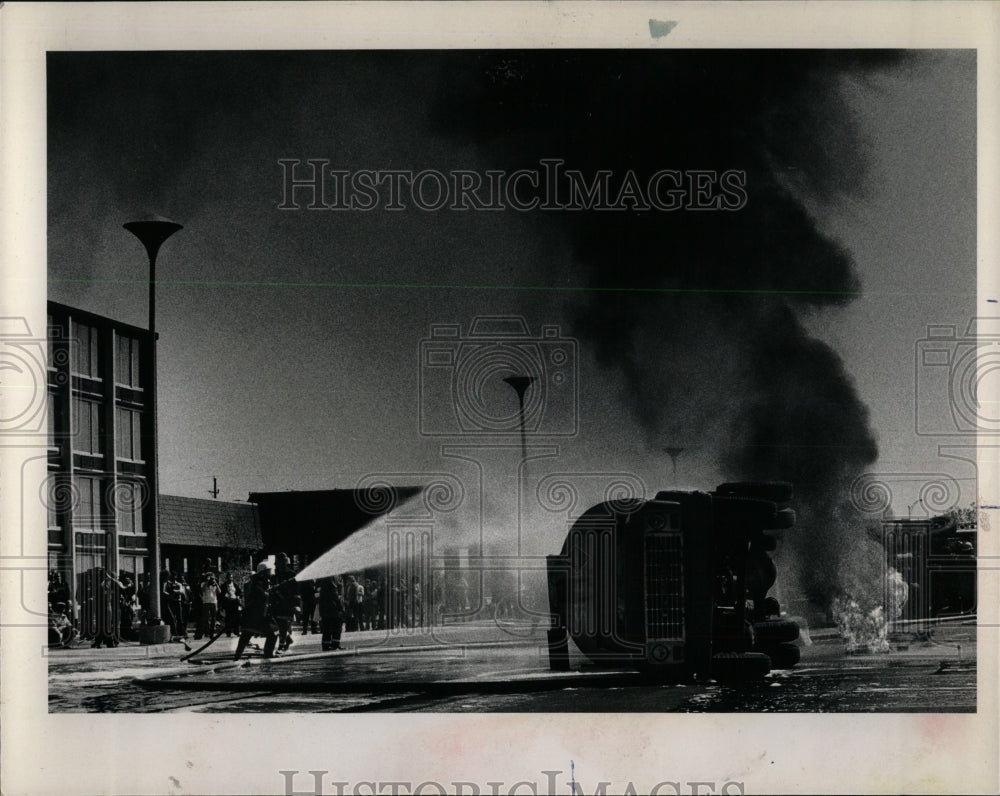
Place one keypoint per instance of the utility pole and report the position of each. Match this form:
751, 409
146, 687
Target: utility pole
214, 491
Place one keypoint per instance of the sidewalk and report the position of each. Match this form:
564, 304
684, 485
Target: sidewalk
131, 653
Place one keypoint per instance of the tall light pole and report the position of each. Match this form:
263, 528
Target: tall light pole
152, 231
520, 385
673, 453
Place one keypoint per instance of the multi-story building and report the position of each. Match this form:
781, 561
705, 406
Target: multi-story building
99, 424
97, 496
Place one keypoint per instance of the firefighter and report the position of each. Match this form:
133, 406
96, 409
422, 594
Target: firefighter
257, 618
284, 599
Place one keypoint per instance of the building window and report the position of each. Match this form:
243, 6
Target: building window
133, 565
50, 414
85, 359
129, 434
50, 349
127, 361
88, 511
88, 426
129, 497
53, 497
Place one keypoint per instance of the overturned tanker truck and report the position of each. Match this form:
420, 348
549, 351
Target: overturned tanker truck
676, 586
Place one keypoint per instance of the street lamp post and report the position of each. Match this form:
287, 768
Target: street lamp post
520, 385
152, 231
673, 453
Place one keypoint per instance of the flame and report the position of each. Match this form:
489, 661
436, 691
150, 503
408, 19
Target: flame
862, 631
865, 627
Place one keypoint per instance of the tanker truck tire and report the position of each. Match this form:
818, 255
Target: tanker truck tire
783, 656
772, 607
740, 667
775, 631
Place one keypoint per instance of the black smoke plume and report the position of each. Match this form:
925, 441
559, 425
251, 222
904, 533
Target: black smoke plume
701, 312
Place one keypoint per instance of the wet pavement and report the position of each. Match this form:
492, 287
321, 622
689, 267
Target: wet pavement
486, 668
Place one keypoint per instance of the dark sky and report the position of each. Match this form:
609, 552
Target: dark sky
773, 341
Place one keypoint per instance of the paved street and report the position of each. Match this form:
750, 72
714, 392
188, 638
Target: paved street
482, 667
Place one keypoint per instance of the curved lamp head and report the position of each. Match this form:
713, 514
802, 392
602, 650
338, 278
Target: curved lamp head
520, 384
152, 230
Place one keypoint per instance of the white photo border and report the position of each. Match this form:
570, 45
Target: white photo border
190, 753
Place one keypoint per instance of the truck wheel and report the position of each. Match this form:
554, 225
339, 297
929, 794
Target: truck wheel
775, 631
740, 667
772, 607
734, 512
783, 656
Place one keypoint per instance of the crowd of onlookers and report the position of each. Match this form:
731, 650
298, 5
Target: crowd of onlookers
265, 603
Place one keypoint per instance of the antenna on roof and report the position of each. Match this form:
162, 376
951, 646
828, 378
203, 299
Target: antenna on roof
214, 491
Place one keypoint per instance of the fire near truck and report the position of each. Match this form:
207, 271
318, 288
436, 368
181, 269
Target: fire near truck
676, 586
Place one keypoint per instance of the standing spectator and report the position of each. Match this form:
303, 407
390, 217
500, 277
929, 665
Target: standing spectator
395, 604
405, 607
354, 594
164, 606
193, 613
417, 604
307, 594
437, 601
462, 594
176, 595
107, 604
229, 602
87, 596
190, 601
128, 606
142, 593
209, 592
58, 590
331, 613
284, 599
382, 607
257, 618
371, 604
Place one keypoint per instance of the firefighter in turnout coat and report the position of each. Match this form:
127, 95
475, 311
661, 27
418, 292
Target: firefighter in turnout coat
257, 618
